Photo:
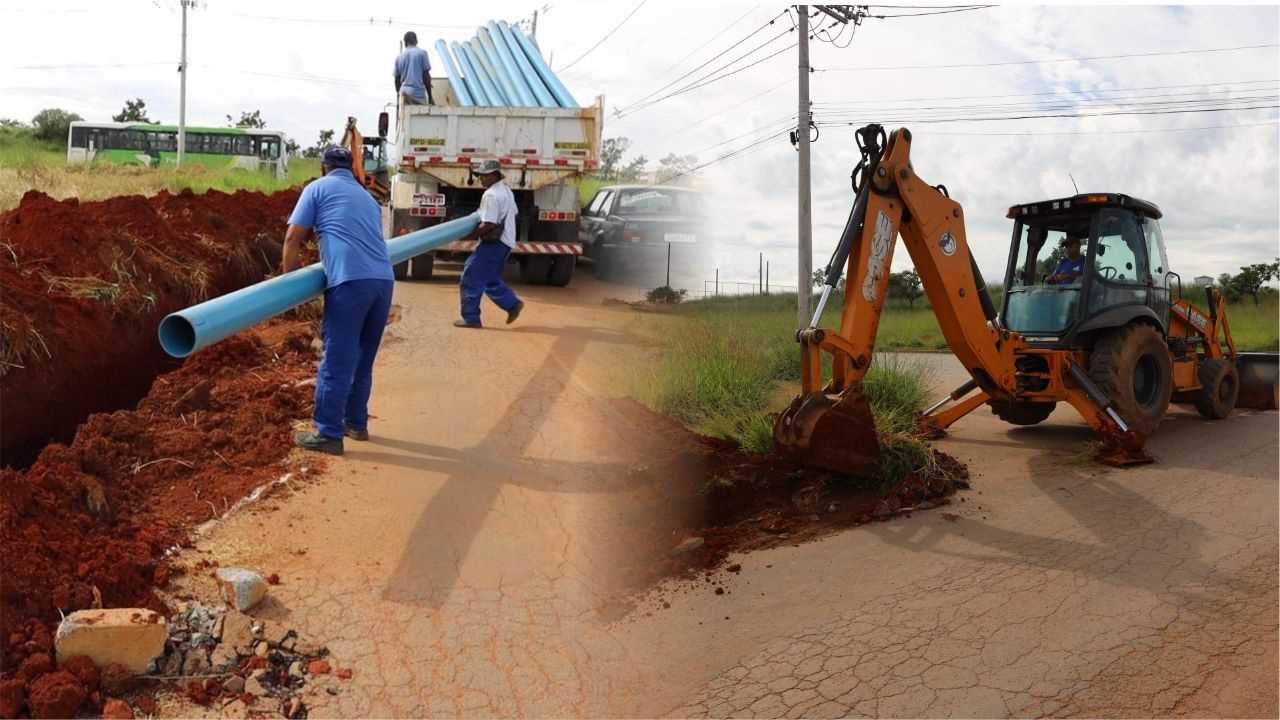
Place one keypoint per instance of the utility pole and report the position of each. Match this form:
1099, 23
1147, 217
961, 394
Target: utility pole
182, 91
804, 298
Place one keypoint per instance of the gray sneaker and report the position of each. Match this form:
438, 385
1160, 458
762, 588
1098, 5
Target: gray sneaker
319, 443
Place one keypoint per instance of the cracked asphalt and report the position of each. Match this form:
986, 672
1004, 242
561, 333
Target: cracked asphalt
464, 560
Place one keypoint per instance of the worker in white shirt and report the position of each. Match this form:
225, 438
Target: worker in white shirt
482, 275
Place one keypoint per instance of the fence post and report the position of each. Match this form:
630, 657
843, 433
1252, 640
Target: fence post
717, 282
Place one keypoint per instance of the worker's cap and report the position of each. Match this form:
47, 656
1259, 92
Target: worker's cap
486, 167
336, 156
1073, 237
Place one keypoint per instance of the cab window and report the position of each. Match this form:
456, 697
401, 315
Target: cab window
597, 202
1120, 255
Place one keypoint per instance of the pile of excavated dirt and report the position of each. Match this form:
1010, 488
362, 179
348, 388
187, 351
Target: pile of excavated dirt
703, 499
86, 284
89, 523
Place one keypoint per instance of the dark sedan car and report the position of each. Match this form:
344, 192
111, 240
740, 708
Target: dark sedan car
628, 231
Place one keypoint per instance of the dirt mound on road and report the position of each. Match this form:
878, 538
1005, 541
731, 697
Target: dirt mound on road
86, 284
91, 521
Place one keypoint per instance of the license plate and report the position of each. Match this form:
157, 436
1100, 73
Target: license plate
428, 200
680, 237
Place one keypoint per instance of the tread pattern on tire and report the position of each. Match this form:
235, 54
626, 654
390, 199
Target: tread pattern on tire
1211, 372
1022, 413
1107, 369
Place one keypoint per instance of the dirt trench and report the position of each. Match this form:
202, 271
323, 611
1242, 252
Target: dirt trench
86, 284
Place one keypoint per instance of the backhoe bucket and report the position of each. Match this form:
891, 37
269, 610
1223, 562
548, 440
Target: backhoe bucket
1259, 380
832, 432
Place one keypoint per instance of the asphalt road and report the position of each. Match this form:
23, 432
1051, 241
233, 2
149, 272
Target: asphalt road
461, 561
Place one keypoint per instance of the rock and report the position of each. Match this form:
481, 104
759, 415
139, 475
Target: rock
197, 663
254, 685
35, 666
295, 669
116, 679
217, 627
172, 663
235, 709
116, 709
241, 588
262, 649
83, 668
306, 648
344, 674
56, 695
12, 697
688, 546
292, 708
222, 656
237, 631
318, 667
131, 637
234, 685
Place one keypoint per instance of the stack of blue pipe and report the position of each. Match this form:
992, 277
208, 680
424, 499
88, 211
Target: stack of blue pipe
501, 67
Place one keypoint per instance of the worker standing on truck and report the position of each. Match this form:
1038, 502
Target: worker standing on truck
482, 273
357, 296
413, 73
1071, 267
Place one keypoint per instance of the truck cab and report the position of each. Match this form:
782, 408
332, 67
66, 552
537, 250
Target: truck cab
1123, 268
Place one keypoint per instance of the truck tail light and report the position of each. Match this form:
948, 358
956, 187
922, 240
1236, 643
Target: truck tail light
557, 216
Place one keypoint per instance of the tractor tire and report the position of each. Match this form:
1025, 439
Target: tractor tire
1219, 386
401, 270
1022, 413
1132, 366
535, 269
562, 267
422, 267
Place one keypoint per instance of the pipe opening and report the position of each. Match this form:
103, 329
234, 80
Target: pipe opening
177, 336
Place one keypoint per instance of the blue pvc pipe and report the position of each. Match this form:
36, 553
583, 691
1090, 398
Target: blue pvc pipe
199, 326
530, 75
509, 66
487, 71
478, 92
482, 75
557, 88
455, 77
496, 67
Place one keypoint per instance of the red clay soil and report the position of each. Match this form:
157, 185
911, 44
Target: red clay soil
738, 501
86, 284
93, 519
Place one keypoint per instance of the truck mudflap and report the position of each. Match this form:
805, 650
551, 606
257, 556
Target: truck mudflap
522, 248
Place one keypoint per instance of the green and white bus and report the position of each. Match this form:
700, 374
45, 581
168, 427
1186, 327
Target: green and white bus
157, 145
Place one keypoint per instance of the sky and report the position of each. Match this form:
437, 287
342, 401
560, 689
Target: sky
308, 65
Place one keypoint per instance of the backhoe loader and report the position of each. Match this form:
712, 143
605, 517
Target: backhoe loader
1112, 341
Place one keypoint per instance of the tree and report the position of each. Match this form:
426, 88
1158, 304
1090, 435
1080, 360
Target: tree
135, 110
325, 140
12, 124
249, 120
53, 123
906, 285
1251, 279
634, 169
291, 146
611, 152
674, 166
820, 279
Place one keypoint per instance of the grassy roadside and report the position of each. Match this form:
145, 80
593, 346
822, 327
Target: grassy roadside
32, 165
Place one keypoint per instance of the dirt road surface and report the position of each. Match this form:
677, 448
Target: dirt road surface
465, 561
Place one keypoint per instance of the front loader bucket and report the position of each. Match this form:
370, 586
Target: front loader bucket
832, 432
1259, 380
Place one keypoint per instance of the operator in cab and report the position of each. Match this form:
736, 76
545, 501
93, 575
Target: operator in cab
357, 297
482, 274
413, 73
1071, 267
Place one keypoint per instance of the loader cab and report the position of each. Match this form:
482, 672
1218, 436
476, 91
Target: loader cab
1124, 268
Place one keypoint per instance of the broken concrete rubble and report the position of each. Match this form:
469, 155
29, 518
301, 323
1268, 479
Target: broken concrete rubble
131, 637
241, 588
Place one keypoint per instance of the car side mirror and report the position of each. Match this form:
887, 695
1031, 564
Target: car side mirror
384, 123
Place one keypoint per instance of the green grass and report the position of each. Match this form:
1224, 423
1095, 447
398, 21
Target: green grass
29, 164
587, 186
1254, 327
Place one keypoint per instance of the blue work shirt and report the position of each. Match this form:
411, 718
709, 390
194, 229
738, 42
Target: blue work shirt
349, 224
411, 67
1067, 266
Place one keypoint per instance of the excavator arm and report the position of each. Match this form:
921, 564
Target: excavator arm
830, 424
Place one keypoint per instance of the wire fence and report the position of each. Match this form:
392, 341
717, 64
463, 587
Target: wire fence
735, 288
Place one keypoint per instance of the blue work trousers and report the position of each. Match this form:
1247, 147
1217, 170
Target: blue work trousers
482, 275
355, 315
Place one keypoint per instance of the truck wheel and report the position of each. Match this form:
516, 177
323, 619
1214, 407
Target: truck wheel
535, 270
1131, 365
1219, 386
422, 267
562, 269
1022, 413
401, 270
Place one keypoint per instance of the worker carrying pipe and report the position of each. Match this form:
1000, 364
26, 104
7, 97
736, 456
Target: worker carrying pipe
357, 296
482, 275
413, 73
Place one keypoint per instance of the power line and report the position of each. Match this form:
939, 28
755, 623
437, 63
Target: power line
1103, 103
923, 121
710, 40
705, 63
1032, 133
606, 36
926, 14
82, 66
1219, 84
711, 78
347, 21
729, 155
1047, 61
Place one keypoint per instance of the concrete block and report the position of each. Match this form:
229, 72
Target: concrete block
130, 637
241, 588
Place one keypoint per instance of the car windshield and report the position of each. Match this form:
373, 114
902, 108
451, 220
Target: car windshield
1044, 254
658, 201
